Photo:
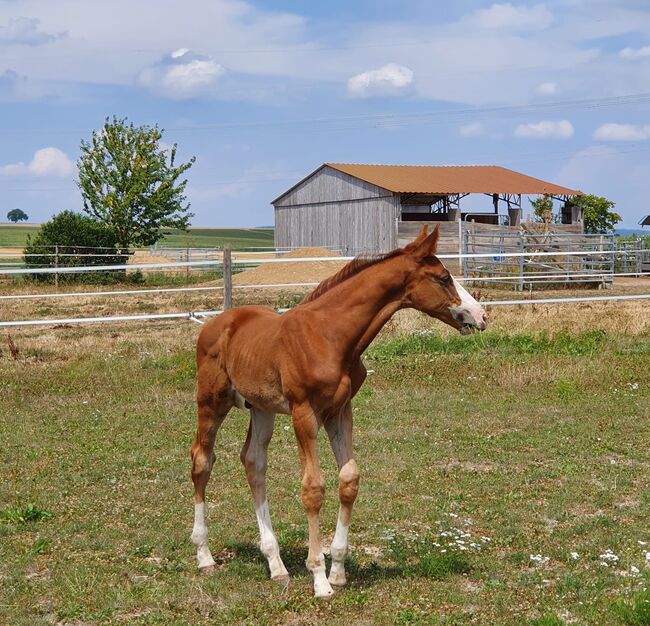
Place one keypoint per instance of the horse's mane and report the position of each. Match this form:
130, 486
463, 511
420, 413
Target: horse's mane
348, 271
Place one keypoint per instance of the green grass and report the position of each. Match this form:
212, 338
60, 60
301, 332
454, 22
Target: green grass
214, 237
16, 236
515, 445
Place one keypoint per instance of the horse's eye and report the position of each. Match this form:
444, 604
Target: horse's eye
446, 280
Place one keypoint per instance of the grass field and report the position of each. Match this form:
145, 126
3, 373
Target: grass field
15, 236
212, 237
528, 443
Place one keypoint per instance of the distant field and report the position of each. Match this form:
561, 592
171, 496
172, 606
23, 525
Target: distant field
16, 236
211, 237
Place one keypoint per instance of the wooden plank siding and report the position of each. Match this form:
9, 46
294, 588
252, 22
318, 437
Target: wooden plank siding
332, 209
353, 227
329, 185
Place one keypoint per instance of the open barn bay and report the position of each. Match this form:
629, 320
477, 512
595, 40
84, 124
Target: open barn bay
504, 481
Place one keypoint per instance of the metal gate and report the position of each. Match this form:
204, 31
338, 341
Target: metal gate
513, 260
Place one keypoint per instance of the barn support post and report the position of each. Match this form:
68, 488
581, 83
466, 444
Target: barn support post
227, 277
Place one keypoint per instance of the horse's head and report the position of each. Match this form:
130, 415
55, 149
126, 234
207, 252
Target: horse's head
430, 287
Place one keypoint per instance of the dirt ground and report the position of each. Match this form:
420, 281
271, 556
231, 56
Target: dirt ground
292, 272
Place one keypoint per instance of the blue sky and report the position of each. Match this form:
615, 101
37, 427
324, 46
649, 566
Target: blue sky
264, 92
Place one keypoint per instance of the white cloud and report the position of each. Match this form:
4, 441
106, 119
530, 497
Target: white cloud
50, 162
635, 53
179, 53
508, 16
546, 89
182, 74
475, 129
622, 132
545, 130
24, 31
390, 78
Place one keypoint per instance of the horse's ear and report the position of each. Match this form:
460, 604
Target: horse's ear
424, 231
427, 246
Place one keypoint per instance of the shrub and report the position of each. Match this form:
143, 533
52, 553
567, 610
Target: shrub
74, 234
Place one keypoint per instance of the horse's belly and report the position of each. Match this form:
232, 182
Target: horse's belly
267, 399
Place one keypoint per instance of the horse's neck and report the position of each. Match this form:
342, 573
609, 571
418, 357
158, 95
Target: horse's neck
359, 307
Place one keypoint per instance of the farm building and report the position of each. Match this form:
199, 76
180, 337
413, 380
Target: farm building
375, 208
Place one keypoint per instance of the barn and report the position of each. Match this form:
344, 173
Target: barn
374, 208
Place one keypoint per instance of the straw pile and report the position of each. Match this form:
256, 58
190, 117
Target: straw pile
292, 272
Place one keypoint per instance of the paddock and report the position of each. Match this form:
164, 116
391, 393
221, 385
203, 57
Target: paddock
504, 475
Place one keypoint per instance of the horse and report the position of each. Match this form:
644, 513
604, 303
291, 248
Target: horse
306, 363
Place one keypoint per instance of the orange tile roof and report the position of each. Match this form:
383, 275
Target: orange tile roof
451, 179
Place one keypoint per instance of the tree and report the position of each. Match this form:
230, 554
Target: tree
543, 209
73, 234
596, 214
130, 182
16, 215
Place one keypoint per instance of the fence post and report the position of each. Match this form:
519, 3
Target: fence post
187, 268
56, 264
464, 250
227, 278
522, 246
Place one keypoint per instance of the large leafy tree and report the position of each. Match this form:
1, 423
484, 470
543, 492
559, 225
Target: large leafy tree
596, 213
130, 182
17, 215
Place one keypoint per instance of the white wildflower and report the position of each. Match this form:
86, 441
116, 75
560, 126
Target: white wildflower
575, 556
538, 558
634, 570
608, 556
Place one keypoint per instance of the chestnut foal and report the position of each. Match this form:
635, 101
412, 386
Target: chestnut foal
307, 363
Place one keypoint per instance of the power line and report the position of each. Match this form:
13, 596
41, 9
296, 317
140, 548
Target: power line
395, 119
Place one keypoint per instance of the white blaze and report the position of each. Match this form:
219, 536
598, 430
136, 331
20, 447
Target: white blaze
469, 311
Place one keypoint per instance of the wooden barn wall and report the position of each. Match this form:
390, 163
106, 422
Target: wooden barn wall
352, 227
329, 185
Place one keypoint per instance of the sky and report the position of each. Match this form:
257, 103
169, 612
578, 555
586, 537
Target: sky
262, 93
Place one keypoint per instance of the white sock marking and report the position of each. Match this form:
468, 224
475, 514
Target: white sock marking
268, 543
338, 551
200, 537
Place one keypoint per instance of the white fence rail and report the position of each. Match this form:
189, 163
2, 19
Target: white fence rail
196, 315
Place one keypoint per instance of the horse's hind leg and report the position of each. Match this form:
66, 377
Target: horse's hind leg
214, 400
339, 430
254, 457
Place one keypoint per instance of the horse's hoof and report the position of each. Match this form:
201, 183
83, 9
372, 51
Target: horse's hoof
281, 579
208, 569
338, 582
324, 594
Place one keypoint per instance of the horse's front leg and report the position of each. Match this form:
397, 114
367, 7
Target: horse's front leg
306, 425
339, 430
